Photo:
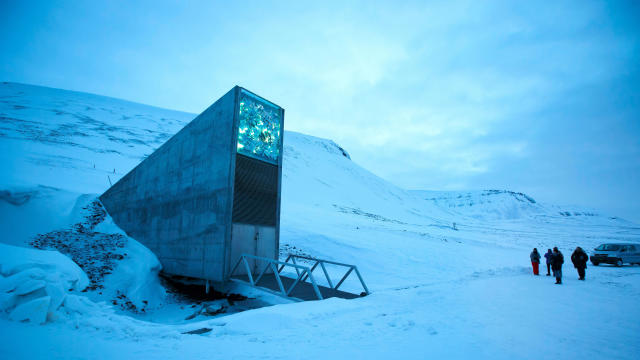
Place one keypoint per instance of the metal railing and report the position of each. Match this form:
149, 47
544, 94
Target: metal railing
321, 262
303, 272
271, 264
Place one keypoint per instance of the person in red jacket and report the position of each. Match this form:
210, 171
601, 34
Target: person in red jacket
535, 261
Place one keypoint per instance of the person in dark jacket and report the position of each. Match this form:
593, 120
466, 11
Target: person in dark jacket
579, 259
535, 261
548, 256
556, 265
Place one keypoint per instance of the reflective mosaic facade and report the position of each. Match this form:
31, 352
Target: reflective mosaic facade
259, 128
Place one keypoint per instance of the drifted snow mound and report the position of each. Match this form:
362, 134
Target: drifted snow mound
134, 284
55, 266
19, 206
38, 285
121, 271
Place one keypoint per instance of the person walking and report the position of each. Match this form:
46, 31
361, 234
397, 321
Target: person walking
548, 256
579, 259
535, 261
556, 265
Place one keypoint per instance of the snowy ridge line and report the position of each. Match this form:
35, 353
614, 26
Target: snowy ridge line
355, 211
470, 195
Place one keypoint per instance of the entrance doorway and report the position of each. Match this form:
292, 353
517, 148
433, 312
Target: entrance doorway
253, 240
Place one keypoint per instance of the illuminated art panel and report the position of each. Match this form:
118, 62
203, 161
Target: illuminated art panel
259, 128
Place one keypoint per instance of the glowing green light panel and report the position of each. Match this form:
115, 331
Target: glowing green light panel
259, 128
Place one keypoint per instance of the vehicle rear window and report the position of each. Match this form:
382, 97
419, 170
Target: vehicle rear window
608, 247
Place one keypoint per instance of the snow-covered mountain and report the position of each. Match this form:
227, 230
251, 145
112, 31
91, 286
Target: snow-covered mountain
412, 247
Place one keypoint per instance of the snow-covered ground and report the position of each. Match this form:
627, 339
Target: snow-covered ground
449, 271
494, 315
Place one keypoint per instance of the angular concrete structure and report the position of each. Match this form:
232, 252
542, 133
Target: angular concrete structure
211, 192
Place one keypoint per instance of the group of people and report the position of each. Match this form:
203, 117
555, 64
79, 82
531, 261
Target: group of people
555, 259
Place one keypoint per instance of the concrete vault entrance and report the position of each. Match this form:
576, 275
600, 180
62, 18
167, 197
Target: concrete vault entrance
210, 193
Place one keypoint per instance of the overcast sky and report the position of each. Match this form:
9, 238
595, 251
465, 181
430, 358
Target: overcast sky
541, 97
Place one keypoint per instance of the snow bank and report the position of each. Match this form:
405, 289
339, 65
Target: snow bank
28, 211
50, 266
121, 271
36, 284
136, 276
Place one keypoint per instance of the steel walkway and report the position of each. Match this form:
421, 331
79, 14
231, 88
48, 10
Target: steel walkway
303, 287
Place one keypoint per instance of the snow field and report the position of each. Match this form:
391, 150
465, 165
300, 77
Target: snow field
498, 316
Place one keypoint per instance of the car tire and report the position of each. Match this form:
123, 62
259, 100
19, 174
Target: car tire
619, 262
595, 263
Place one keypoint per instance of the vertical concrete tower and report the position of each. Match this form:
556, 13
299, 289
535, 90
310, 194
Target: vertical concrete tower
211, 192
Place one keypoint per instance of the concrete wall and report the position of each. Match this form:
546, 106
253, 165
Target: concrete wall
178, 201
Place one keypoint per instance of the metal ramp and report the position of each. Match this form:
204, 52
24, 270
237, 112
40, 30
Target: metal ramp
302, 288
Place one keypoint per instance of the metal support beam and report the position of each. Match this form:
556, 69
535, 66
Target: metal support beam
310, 271
326, 274
296, 282
315, 287
283, 265
246, 265
284, 292
366, 290
344, 278
263, 272
294, 261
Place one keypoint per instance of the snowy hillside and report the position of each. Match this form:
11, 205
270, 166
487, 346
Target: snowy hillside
428, 256
72, 140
